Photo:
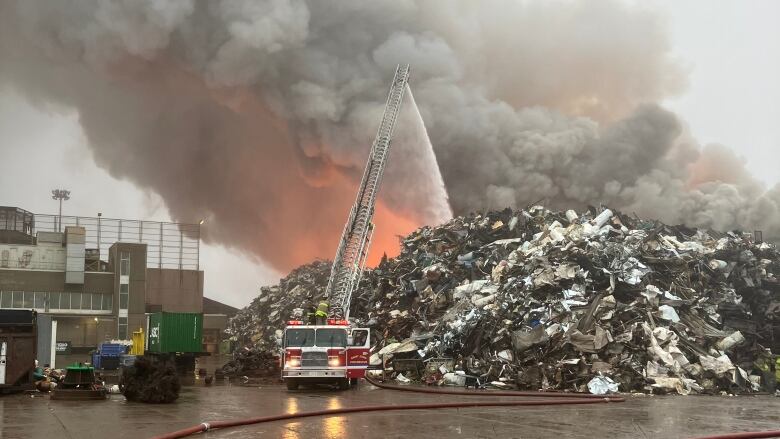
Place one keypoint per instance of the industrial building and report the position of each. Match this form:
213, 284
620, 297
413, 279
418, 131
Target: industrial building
215, 320
94, 279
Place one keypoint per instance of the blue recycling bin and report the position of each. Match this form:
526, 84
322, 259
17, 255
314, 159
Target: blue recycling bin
96, 360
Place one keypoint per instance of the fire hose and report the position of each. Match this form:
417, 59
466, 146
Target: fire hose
565, 399
574, 399
741, 435
206, 426
744, 435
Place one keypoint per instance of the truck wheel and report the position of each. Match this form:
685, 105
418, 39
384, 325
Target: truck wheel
344, 384
353, 382
292, 384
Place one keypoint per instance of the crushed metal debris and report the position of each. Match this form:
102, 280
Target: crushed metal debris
536, 299
252, 361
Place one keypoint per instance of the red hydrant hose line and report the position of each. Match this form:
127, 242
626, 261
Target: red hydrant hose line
376, 408
572, 399
744, 435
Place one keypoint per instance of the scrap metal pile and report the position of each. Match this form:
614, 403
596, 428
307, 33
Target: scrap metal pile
536, 299
252, 361
256, 324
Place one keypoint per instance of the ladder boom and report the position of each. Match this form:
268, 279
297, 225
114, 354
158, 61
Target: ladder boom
356, 237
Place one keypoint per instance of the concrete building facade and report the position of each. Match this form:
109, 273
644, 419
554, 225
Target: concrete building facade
90, 289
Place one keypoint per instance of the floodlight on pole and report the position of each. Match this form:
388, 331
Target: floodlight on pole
61, 195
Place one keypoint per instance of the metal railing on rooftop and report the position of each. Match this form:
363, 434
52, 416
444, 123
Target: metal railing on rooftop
169, 245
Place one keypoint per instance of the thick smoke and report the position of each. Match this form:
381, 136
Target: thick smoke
260, 114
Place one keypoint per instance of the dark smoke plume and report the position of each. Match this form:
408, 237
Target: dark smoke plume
260, 113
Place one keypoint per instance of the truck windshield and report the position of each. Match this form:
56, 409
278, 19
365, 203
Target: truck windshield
299, 338
331, 338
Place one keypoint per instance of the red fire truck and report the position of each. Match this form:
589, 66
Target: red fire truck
337, 352
324, 354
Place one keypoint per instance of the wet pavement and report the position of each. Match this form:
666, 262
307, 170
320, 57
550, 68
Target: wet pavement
22, 416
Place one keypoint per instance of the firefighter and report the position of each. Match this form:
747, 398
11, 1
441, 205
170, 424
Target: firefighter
322, 312
311, 311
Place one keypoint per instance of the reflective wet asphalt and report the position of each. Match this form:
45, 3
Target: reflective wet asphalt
23, 416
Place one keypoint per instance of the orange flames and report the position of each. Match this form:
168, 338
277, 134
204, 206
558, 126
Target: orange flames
389, 228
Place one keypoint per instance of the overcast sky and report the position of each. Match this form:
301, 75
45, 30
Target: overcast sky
731, 50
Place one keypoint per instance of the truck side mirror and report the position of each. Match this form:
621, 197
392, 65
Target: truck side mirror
350, 341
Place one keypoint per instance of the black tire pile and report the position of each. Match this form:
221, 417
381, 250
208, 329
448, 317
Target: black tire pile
151, 381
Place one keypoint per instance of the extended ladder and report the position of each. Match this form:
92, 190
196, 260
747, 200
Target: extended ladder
356, 238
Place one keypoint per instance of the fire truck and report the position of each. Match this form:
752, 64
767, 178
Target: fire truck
337, 353
325, 354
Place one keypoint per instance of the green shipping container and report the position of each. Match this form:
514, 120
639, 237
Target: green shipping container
175, 332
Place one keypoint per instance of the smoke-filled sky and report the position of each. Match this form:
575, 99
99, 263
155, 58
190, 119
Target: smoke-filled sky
258, 115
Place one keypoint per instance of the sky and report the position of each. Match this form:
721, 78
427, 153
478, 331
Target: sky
731, 50
54, 155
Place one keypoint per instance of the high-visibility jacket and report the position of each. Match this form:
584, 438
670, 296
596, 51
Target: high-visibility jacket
322, 310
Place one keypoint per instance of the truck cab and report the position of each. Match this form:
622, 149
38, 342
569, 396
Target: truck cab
334, 353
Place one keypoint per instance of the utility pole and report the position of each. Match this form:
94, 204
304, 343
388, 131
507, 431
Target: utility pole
60, 194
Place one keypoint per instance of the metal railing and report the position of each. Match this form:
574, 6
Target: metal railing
169, 245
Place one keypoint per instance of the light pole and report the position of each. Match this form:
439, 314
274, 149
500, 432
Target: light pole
197, 264
60, 194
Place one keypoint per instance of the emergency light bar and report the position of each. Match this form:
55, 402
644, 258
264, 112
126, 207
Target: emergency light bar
295, 322
340, 322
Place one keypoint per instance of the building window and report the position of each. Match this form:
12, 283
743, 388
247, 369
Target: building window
75, 300
57, 300
54, 300
7, 301
18, 299
40, 300
122, 328
124, 264
124, 295
96, 301
86, 301
29, 299
65, 301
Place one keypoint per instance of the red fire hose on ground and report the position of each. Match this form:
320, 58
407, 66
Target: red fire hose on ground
573, 399
206, 426
565, 399
744, 435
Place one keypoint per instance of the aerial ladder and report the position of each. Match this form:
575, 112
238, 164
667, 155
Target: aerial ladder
356, 238
335, 352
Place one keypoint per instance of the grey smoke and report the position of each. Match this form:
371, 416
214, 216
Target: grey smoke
260, 113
